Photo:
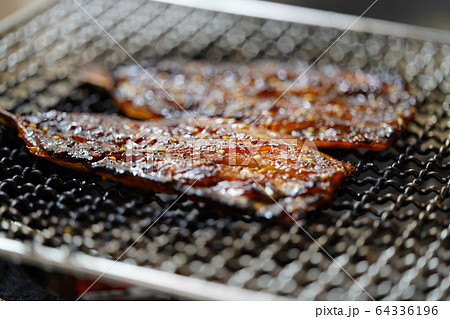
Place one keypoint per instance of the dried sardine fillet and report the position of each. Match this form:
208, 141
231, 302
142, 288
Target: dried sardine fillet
329, 105
214, 159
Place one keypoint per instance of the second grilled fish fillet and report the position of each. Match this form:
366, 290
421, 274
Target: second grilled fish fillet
226, 162
331, 106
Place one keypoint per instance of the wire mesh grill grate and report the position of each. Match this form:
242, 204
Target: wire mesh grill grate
388, 225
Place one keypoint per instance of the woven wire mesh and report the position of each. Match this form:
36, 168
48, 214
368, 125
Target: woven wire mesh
388, 225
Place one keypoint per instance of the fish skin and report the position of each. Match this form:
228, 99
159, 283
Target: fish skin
329, 105
216, 160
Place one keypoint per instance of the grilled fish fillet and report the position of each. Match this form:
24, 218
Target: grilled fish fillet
331, 106
214, 159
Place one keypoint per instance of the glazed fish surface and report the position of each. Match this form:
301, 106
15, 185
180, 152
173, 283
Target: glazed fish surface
329, 105
214, 160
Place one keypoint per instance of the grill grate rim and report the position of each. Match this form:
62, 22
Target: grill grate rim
387, 226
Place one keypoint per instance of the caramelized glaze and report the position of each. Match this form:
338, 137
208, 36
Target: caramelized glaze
331, 106
225, 161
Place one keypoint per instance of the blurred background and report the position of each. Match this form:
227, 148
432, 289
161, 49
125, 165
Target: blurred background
9, 6
431, 13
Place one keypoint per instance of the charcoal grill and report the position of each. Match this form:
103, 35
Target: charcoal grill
388, 225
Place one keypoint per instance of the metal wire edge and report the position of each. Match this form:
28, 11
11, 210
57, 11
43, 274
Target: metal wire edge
315, 17
82, 264
24, 13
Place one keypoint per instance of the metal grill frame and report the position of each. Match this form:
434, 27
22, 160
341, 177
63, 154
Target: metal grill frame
64, 259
